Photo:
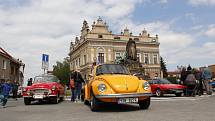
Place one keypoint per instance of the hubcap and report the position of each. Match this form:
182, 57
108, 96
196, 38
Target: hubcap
158, 92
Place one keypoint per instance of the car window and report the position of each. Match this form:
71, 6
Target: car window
111, 69
45, 78
164, 81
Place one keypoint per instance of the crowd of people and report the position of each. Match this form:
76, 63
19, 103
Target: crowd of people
7, 87
196, 80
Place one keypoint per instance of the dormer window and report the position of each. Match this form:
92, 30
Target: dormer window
136, 39
116, 37
100, 36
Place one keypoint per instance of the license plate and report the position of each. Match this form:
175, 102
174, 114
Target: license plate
38, 96
127, 100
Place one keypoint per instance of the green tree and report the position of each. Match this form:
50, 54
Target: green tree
62, 70
163, 67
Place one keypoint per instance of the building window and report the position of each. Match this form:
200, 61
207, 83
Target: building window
146, 58
139, 57
116, 37
100, 36
85, 59
155, 59
117, 56
76, 62
4, 64
79, 62
136, 39
101, 57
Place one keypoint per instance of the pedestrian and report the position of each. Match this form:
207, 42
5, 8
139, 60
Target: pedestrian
5, 90
29, 82
15, 87
207, 76
198, 76
72, 88
78, 85
183, 76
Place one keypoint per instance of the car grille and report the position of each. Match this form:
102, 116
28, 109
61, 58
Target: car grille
41, 91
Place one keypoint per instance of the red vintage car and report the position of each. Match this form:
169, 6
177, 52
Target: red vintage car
44, 87
163, 86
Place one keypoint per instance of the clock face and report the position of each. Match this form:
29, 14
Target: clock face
154, 40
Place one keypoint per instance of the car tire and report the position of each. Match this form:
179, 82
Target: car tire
144, 104
178, 94
56, 99
27, 101
93, 103
158, 92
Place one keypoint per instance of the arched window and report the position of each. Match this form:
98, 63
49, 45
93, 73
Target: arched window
101, 55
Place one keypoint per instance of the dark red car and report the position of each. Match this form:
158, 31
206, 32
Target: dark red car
163, 86
44, 87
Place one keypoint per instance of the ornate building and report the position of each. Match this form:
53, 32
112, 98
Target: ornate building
102, 46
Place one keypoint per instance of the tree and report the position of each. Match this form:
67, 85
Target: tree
62, 70
163, 67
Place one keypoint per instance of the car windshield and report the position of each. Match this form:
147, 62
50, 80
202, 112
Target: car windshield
111, 69
164, 81
45, 78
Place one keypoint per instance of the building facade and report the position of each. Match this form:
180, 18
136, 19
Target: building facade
10, 68
102, 46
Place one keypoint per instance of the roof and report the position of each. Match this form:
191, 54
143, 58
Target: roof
8, 56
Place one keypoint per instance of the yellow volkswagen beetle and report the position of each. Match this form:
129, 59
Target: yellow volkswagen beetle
112, 83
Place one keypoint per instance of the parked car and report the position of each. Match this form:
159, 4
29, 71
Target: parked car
44, 87
163, 86
112, 83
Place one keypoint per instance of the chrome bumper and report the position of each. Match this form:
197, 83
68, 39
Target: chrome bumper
31, 96
123, 95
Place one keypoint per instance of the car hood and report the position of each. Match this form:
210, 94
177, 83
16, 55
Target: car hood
43, 85
122, 83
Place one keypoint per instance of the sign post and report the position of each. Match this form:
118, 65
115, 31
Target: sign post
45, 62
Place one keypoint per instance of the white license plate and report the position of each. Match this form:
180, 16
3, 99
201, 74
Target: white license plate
127, 100
38, 96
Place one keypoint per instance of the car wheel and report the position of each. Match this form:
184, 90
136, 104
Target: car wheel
178, 94
93, 103
144, 104
158, 92
56, 99
27, 101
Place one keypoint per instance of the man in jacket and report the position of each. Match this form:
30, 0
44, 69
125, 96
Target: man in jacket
78, 85
5, 93
206, 76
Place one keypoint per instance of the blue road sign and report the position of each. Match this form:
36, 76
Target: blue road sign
45, 58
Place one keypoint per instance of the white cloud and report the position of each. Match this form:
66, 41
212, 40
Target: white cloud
30, 28
202, 2
211, 31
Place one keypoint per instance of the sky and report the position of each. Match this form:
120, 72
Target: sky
29, 28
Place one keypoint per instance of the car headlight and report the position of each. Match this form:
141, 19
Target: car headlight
24, 90
54, 88
102, 87
146, 85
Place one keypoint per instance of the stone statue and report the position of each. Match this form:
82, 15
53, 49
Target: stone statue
131, 50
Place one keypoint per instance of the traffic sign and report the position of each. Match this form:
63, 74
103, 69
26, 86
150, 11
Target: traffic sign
45, 61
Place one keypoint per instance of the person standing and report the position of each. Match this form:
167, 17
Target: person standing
78, 85
15, 87
30, 82
198, 76
72, 88
206, 76
5, 93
